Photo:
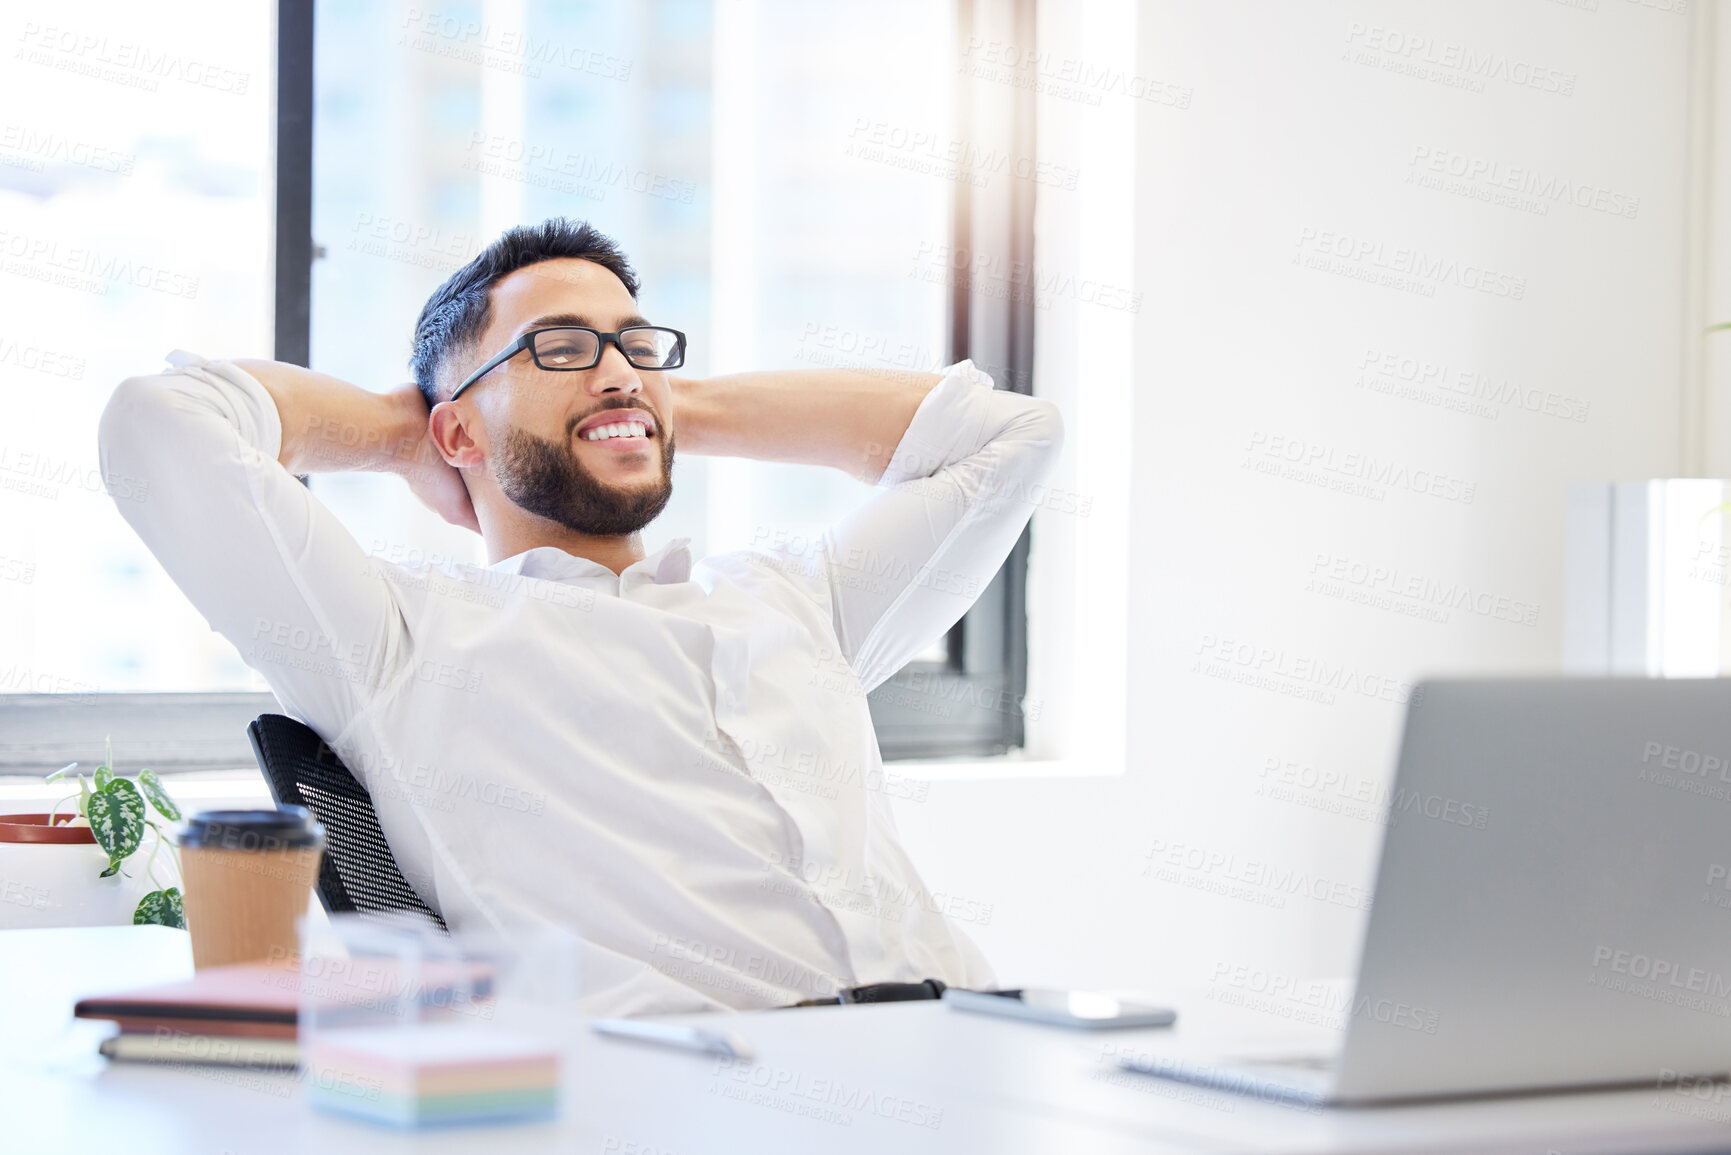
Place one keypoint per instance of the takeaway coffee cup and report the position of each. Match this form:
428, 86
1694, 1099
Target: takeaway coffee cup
248, 875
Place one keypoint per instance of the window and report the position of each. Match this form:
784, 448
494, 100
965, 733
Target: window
135, 217
791, 180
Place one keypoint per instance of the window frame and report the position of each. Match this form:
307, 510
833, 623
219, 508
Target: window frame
293, 201
971, 704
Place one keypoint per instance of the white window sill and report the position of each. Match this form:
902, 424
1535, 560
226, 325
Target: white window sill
201, 790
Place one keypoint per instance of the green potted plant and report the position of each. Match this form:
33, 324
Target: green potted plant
117, 811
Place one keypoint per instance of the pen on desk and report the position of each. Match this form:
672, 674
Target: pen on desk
672, 1035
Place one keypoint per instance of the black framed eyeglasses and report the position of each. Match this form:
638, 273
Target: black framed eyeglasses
571, 347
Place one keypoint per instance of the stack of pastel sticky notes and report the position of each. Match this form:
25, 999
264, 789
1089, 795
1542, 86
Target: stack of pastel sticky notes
430, 1075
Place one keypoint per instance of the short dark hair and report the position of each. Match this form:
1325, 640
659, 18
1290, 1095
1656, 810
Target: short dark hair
458, 311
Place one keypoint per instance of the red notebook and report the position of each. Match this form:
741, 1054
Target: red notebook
247, 1000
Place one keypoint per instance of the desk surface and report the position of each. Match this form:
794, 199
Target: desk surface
906, 1077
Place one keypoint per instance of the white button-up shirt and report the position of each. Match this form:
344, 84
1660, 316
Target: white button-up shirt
677, 761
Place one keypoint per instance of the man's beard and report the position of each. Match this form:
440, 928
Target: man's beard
545, 478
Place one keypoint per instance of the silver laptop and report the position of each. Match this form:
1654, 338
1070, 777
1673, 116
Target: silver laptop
1553, 905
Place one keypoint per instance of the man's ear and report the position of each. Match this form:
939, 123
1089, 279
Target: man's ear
448, 427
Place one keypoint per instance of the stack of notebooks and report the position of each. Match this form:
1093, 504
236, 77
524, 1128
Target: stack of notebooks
410, 1075
241, 1015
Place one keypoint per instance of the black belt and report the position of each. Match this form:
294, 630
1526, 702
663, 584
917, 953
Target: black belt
879, 993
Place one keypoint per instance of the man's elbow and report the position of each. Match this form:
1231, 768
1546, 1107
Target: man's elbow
131, 425
129, 409
1040, 426
1047, 422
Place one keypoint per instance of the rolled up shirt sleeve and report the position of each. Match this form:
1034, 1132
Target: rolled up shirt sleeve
962, 483
265, 562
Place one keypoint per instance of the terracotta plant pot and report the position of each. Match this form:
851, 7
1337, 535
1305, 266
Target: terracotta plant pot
35, 828
49, 876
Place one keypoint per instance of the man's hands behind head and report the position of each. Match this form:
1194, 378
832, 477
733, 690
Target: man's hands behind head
331, 426
438, 485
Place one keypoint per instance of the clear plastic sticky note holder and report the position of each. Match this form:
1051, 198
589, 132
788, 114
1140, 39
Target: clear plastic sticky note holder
403, 1025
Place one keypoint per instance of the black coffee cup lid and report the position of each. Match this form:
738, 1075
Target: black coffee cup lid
285, 828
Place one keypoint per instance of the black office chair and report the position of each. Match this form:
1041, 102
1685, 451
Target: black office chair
358, 873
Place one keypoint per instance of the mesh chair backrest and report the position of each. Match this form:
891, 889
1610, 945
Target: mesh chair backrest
358, 872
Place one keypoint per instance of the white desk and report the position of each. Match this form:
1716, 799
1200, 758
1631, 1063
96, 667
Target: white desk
991, 1085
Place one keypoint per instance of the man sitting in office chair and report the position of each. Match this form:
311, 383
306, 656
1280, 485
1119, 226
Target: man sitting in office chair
673, 757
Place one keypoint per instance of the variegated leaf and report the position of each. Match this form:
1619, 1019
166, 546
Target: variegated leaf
103, 777
117, 818
152, 788
161, 907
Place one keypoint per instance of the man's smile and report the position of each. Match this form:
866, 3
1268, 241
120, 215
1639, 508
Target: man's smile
619, 428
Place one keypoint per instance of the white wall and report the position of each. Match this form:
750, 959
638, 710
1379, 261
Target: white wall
1287, 136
